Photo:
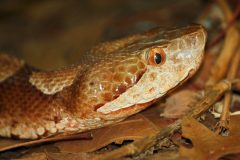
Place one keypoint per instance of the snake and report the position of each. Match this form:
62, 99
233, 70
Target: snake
111, 82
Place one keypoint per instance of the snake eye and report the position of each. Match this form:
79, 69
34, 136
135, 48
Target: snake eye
156, 56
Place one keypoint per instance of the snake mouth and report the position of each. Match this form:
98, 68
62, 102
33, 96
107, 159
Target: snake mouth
118, 105
129, 110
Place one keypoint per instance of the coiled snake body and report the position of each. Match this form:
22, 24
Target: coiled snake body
114, 80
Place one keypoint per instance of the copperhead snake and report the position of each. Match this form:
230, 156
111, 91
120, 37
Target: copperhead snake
112, 81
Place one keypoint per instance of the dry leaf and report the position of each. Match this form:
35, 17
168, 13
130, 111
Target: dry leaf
178, 103
207, 144
36, 156
68, 156
135, 127
165, 155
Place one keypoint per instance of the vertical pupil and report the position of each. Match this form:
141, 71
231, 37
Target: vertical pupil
157, 58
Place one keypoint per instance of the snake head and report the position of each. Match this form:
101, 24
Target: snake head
135, 72
171, 56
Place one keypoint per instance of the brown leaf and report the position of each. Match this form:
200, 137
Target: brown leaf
234, 125
36, 156
135, 127
165, 155
68, 156
178, 103
207, 144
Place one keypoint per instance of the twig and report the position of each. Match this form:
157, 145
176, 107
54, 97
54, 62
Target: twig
53, 139
220, 68
212, 94
222, 125
225, 116
226, 9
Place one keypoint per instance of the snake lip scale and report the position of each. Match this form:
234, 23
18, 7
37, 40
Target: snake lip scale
112, 81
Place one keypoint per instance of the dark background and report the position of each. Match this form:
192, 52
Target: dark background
51, 34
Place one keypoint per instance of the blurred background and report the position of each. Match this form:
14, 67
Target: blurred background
49, 34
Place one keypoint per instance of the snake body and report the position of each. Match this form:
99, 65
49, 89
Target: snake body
111, 82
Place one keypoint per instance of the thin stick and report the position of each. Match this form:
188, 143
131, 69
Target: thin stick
53, 139
220, 68
222, 125
225, 116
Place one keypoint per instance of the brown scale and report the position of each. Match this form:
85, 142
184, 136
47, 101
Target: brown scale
18, 95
